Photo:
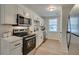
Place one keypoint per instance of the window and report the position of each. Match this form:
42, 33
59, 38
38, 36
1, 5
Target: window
53, 25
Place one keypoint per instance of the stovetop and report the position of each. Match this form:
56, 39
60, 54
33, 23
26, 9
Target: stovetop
23, 34
20, 34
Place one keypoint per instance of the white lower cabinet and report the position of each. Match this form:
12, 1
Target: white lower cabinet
11, 46
16, 51
39, 39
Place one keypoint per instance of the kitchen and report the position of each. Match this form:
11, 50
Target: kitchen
39, 29
21, 29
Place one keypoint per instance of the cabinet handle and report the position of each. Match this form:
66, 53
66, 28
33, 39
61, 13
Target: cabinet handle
60, 32
17, 44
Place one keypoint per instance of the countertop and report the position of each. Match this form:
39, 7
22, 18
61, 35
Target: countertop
12, 38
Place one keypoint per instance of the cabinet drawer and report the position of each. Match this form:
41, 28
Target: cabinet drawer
15, 44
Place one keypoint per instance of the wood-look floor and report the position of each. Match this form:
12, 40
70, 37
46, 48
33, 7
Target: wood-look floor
50, 47
74, 47
53, 47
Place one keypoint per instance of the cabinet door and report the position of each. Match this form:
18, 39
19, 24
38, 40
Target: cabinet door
20, 10
39, 39
17, 51
8, 13
40, 22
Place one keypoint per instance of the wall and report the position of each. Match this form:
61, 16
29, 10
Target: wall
63, 26
51, 35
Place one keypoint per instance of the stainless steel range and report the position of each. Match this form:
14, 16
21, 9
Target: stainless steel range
29, 40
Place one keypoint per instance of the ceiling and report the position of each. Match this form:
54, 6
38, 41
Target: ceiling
75, 11
41, 9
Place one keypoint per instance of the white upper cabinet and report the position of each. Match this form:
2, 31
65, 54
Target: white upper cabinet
8, 14
23, 11
20, 10
41, 22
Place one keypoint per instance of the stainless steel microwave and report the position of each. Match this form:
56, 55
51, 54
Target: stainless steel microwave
21, 20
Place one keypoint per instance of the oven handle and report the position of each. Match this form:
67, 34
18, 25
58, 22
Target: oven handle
30, 38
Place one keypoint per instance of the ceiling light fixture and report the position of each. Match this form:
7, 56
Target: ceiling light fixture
51, 8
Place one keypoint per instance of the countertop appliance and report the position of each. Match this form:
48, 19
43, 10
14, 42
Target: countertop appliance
29, 40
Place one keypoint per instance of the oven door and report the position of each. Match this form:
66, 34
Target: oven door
28, 44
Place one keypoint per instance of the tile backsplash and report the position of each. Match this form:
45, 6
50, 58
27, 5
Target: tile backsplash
5, 29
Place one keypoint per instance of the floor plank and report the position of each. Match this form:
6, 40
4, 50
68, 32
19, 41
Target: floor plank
53, 47
50, 47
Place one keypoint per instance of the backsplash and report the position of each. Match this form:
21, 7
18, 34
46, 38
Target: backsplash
4, 29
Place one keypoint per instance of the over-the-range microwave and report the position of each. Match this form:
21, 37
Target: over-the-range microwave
21, 20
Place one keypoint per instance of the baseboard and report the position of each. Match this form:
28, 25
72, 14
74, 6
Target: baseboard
52, 39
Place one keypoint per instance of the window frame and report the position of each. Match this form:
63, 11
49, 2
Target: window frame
55, 25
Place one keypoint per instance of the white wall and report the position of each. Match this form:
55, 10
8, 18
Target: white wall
63, 26
51, 35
